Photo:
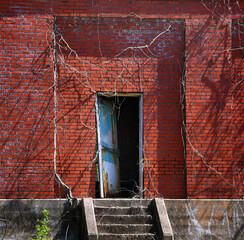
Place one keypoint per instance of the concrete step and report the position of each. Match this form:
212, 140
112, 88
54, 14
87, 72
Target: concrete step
124, 219
145, 236
121, 211
125, 228
121, 202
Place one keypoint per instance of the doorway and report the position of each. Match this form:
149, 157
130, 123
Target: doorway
119, 135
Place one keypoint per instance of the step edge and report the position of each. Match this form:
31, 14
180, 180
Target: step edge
129, 224
121, 207
127, 234
125, 215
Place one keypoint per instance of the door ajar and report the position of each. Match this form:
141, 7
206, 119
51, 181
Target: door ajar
108, 147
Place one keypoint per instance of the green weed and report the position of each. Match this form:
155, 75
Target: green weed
42, 230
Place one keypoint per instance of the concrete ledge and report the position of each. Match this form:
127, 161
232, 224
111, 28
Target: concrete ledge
18, 218
90, 220
206, 218
189, 218
162, 220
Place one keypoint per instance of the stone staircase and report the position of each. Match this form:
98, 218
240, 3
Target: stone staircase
124, 219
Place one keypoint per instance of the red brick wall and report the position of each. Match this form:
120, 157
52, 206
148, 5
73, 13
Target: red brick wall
214, 110
211, 167
237, 104
133, 71
26, 109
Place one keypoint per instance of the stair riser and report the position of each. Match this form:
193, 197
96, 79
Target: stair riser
123, 237
121, 202
141, 219
121, 211
125, 229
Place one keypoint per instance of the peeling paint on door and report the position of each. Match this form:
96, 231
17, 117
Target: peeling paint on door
108, 147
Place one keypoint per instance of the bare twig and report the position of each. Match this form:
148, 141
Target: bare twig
54, 59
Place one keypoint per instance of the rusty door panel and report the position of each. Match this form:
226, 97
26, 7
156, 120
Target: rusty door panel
109, 147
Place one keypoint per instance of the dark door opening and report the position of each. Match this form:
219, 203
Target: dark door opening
125, 111
128, 140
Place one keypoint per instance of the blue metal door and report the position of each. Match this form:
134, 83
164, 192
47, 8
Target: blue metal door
108, 147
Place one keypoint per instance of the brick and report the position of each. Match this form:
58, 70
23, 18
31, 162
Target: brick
213, 106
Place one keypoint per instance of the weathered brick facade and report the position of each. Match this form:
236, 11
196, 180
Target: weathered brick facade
184, 57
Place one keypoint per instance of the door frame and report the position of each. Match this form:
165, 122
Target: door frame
140, 157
